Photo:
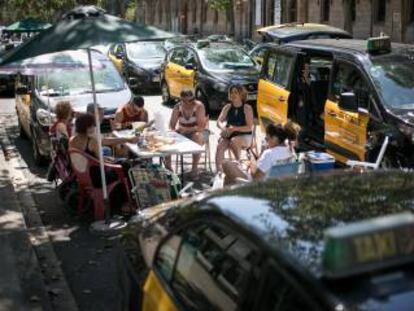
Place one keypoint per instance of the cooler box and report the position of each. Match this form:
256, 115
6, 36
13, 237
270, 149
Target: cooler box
319, 161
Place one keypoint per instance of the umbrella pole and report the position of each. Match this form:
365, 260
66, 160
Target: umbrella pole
99, 135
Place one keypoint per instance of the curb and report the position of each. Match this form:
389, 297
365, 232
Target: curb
60, 295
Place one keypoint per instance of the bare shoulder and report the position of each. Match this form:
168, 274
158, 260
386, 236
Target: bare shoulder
248, 109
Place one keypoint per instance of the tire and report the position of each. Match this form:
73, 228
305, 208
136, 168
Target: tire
165, 93
22, 132
203, 98
38, 158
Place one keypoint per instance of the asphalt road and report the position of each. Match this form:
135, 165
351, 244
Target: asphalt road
88, 261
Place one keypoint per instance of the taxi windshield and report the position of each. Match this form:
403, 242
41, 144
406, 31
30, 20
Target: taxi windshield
393, 76
74, 82
144, 50
225, 59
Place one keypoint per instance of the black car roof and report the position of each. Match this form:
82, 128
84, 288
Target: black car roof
350, 45
291, 215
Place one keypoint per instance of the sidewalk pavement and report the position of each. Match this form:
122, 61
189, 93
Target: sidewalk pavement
21, 282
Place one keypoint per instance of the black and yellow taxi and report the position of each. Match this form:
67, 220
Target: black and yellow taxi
285, 33
346, 95
209, 68
329, 242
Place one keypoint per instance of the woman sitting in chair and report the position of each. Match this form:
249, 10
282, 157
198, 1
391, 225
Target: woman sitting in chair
85, 140
280, 150
236, 125
62, 128
189, 119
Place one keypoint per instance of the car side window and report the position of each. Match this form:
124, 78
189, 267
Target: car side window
348, 78
280, 294
283, 68
190, 58
212, 268
166, 256
178, 56
269, 70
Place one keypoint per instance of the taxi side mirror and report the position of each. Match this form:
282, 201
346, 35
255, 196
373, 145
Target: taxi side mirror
348, 102
133, 82
22, 90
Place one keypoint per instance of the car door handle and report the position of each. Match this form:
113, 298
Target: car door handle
332, 114
281, 99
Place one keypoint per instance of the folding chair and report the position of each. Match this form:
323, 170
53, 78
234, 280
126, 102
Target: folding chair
369, 165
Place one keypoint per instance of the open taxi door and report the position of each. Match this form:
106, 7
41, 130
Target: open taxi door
115, 54
273, 89
23, 102
346, 115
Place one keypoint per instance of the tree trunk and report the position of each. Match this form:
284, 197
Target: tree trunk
231, 18
348, 16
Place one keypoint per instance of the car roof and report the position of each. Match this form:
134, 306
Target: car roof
290, 30
351, 45
291, 215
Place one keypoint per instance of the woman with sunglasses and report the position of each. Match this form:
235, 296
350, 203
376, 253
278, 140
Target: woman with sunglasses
280, 149
189, 119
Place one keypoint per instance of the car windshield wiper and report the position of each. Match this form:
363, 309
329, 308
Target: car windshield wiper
103, 90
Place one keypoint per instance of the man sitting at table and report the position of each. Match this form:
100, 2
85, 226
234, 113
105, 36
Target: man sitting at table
133, 111
188, 118
110, 142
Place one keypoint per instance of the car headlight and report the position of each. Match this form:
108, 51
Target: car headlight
44, 117
408, 131
219, 86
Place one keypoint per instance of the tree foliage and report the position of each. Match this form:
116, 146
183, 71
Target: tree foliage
220, 5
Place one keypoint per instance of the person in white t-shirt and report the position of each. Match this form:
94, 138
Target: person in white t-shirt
280, 150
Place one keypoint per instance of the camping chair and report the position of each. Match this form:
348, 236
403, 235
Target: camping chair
81, 165
369, 165
251, 151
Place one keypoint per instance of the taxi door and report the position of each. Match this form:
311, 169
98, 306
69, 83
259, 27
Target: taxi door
23, 102
115, 54
173, 71
346, 129
273, 90
187, 71
155, 297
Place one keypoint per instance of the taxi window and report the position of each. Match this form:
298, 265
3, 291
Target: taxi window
348, 78
190, 58
279, 67
177, 57
212, 269
281, 295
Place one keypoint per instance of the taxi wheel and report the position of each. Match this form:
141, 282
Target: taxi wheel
38, 158
22, 133
203, 98
165, 93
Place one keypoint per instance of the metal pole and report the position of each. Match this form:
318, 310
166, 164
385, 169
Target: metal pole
98, 132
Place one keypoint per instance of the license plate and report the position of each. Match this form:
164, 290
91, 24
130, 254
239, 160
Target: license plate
251, 96
156, 79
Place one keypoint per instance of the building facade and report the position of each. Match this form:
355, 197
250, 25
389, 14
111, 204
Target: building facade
196, 16
363, 18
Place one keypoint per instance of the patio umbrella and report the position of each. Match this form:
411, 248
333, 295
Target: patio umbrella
27, 25
83, 28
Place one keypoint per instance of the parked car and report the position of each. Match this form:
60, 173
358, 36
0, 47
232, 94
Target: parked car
346, 95
142, 64
285, 33
338, 241
37, 96
209, 68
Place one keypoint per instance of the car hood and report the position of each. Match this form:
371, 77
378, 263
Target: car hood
240, 76
149, 64
110, 101
407, 115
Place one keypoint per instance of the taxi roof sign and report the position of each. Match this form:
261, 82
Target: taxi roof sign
379, 44
369, 245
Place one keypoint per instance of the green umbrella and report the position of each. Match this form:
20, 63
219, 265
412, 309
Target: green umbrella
83, 28
27, 25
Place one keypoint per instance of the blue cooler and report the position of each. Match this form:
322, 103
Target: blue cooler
319, 161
